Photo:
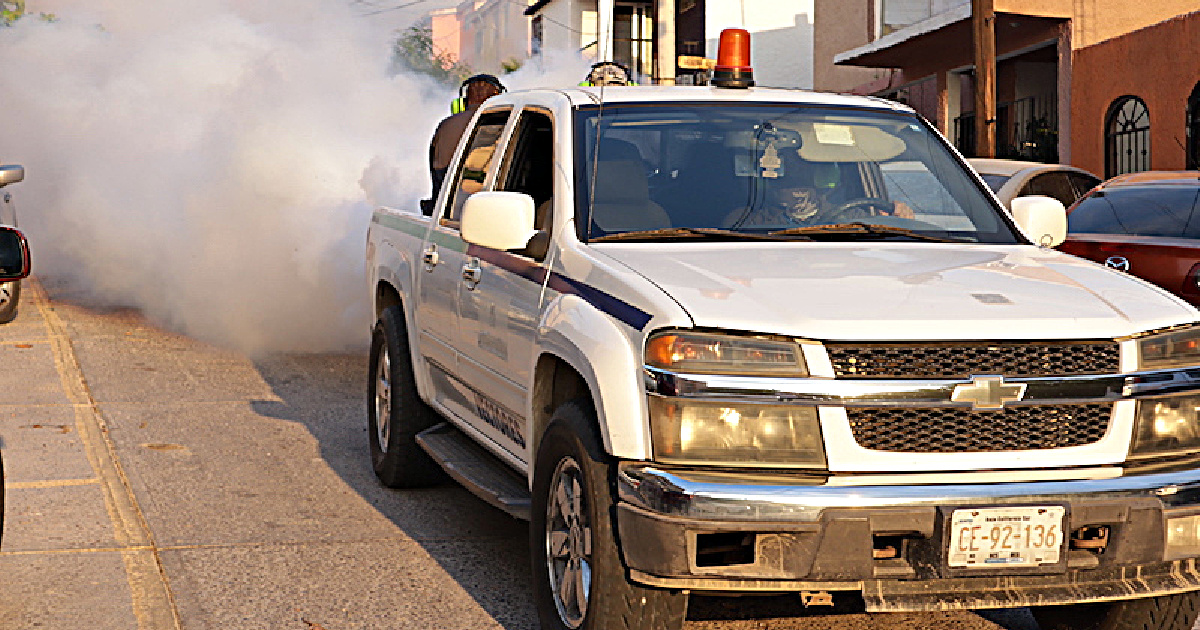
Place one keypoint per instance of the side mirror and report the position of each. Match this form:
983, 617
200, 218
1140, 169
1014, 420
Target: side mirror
11, 174
1043, 219
14, 254
499, 220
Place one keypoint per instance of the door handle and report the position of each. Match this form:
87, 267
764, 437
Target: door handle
471, 273
430, 257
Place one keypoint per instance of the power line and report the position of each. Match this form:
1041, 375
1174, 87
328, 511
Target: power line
386, 9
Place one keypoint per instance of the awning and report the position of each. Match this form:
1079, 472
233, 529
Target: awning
947, 37
872, 54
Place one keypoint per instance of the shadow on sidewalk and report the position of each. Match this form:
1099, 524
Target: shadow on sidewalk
327, 393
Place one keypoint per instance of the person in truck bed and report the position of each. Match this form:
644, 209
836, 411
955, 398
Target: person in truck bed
474, 91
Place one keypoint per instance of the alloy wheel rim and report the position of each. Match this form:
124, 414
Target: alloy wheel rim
383, 400
569, 543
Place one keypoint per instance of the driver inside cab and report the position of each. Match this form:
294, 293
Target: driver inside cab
789, 201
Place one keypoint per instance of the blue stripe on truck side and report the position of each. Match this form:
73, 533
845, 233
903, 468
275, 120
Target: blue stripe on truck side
525, 268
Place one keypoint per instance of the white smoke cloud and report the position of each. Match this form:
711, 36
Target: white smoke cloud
216, 165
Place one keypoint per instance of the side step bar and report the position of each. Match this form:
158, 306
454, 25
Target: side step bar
476, 469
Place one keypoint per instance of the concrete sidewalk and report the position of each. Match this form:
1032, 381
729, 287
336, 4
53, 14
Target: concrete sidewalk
155, 482
76, 551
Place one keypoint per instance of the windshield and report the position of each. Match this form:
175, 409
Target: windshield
1148, 210
769, 169
995, 182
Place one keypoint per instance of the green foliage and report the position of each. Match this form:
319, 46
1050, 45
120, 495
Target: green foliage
414, 51
511, 65
11, 10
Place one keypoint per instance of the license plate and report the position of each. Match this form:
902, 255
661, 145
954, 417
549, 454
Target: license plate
996, 538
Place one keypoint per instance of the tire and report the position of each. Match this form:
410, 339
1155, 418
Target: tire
1166, 612
10, 294
395, 411
572, 496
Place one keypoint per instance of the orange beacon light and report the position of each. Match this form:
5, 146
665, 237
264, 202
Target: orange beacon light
733, 60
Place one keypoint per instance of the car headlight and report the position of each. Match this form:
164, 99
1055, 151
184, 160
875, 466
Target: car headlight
1180, 348
707, 353
1166, 426
735, 434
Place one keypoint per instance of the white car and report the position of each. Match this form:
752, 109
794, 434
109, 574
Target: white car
10, 292
1010, 179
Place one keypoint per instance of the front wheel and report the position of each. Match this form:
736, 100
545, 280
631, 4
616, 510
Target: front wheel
395, 411
1166, 612
579, 579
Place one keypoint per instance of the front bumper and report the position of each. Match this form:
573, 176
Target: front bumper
746, 532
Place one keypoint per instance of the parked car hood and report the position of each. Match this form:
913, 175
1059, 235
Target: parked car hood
907, 291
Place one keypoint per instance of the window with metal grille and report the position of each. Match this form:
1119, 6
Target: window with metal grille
1127, 137
633, 37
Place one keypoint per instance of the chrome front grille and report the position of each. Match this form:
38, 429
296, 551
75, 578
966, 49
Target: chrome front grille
958, 430
966, 359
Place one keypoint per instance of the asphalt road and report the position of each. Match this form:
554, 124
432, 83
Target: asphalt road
155, 482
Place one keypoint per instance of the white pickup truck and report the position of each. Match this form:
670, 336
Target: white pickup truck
713, 340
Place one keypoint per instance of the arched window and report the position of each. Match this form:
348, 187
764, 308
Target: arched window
1193, 129
1127, 137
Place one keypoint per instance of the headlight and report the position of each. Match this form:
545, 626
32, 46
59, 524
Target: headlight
735, 434
1169, 350
1166, 426
705, 353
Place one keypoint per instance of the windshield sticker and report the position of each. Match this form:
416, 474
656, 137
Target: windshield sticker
743, 165
833, 134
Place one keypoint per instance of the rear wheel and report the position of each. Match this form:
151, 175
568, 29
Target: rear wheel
1166, 612
10, 294
579, 579
395, 412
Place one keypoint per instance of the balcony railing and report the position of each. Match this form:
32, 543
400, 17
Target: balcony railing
1026, 129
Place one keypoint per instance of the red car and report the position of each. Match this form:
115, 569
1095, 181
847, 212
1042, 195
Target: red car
1147, 224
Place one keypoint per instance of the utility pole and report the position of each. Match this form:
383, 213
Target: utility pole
665, 36
604, 30
983, 22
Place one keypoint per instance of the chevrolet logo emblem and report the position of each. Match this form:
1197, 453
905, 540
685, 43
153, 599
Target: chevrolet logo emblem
988, 393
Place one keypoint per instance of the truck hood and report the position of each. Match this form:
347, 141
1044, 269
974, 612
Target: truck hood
907, 291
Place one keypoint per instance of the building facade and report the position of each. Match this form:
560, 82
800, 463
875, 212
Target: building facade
666, 41
1067, 89
486, 35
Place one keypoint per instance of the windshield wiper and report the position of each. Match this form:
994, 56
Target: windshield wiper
865, 229
683, 232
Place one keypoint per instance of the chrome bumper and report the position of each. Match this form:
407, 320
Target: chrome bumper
745, 497
795, 534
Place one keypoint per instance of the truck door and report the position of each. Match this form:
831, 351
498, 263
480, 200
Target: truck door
499, 306
444, 255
